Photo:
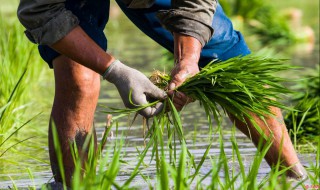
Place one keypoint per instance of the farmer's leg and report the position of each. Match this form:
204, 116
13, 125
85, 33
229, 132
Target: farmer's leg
76, 87
225, 43
76, 95
281, 148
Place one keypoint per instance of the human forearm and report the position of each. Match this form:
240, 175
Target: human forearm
78, 46
186, 49
186, 55
133, 86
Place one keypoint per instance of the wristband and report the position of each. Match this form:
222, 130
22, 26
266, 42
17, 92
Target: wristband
104, 75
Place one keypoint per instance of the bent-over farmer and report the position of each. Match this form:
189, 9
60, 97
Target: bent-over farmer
71, 40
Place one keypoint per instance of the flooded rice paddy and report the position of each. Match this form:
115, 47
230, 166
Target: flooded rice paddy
196, 132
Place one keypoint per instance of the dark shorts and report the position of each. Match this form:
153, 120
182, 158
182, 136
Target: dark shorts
225, 43
93, 16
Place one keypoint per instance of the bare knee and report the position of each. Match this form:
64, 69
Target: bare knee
85, 85
73, 79
76, 95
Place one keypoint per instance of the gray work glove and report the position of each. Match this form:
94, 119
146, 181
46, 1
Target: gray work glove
143, 91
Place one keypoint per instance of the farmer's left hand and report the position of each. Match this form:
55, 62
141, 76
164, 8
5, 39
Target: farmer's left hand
186, 52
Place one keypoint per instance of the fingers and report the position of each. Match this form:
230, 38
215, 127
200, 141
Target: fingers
141, 100
156, 93
176, 81
179, 99
152, 111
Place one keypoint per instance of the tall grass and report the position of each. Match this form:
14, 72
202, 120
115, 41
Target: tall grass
176, 167
303, 122
20, 73
19, 67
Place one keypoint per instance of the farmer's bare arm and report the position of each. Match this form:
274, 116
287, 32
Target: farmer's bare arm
78, 46
190, 22
74, 43
48, 22
186, 56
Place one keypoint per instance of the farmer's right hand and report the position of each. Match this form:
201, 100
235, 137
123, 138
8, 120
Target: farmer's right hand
143, 91
186, 54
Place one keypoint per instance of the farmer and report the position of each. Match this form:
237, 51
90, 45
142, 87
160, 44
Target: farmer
71, 40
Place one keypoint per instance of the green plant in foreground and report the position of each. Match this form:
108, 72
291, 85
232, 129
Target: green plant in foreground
97, 171
4, 110
18, 65
176, 167
246, 82
303, 122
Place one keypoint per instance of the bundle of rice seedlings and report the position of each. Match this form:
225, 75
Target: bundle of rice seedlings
303, 122
241, 86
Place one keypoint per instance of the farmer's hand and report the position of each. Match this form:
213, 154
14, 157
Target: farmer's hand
186, 54
143, 91
179, 74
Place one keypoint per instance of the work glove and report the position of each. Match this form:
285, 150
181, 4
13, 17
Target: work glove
143, 91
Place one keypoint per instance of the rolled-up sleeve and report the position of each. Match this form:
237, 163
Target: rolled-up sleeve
46, 21
190, 17
138, 4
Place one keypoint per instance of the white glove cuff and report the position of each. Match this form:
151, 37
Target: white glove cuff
106, 73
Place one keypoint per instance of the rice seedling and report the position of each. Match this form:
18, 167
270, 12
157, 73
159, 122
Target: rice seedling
33, 187
240, 85
303, 122
243, 84
17, 77
179, 172
314, 169
19, 74
4, 138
